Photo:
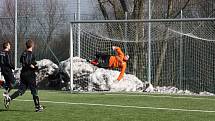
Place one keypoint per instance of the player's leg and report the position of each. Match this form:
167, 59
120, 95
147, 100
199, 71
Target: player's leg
104, 61
10, 82
100, 60
21, 90
34, 92
95, 61
6, 93
6, 86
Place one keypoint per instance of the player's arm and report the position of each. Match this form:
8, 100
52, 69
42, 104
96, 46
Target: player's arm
8, 61
21, 60
122, 71
34, 63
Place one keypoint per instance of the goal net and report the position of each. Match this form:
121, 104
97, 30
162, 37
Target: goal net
182, 52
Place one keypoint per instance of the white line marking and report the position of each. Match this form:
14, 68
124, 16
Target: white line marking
123, 106
147, 95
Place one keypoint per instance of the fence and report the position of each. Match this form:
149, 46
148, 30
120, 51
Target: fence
7, 31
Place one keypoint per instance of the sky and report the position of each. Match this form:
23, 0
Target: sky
86, 6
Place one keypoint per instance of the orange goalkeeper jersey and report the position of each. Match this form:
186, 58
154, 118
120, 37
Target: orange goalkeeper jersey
118, 62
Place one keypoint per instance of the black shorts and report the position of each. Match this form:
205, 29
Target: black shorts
28, 80
103, 60
9, 79
27, 76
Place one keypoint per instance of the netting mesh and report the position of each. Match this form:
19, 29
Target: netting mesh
182, 52
47, 23
7, 32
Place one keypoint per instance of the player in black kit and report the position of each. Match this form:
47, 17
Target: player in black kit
28, 76
6, 66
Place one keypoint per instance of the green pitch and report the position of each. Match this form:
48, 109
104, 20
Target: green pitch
63, 106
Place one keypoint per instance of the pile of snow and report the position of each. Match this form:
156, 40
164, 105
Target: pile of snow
64, 66
167, 90
149, 88
80, 67
173, 90
88, 77
81, 72
46, 68
103, 79
206, 93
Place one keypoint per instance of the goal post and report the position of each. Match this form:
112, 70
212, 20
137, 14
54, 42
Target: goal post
71, 58
193, 70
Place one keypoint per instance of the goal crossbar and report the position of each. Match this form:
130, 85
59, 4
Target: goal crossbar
144, 20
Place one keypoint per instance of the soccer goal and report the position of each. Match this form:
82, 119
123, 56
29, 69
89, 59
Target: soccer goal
164, 52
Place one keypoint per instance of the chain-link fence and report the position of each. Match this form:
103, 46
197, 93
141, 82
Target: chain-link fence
46, 22
7, 32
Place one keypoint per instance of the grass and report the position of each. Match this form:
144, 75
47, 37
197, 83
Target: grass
143, 107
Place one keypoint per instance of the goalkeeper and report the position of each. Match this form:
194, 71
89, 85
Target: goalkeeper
112, 61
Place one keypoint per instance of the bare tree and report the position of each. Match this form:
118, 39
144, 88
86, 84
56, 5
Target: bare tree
7, 25
115, 9
36, 20
171, 10
52, 19
170, 14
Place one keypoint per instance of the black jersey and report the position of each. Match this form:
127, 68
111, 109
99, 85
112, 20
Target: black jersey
27, 59
6, 62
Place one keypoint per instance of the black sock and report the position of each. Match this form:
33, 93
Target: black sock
9, 89
15, 95
36, 101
